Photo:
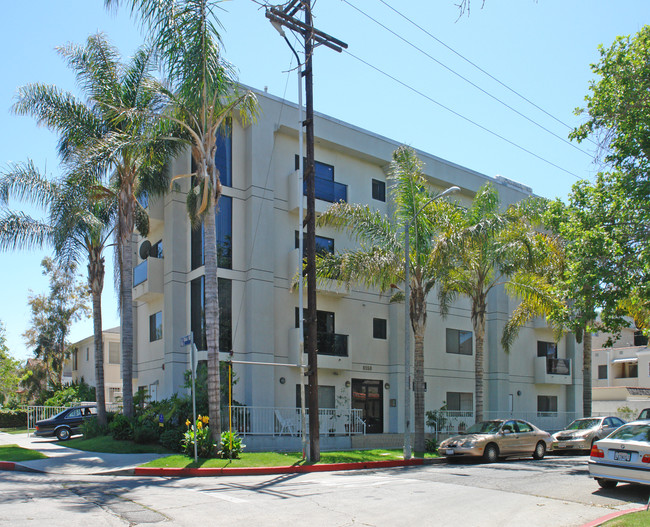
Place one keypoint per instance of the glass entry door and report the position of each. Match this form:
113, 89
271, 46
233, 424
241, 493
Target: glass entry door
368, 396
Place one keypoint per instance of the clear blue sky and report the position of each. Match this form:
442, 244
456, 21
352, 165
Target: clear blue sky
541, 49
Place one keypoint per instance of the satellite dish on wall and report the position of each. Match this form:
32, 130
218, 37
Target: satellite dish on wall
145, 249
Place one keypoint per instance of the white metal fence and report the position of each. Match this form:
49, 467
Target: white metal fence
255, 420
38, 413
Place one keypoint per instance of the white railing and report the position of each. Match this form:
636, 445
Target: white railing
38, 413
255, 420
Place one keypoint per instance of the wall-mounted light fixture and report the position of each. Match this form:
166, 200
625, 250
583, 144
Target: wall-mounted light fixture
518, 392
347, 384
387, 386
282, 380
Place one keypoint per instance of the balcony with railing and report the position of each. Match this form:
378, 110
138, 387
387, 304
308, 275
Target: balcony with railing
332, 350
148, 280
552, 371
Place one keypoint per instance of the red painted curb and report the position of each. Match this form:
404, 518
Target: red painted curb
7, 465
611, 516
262, 471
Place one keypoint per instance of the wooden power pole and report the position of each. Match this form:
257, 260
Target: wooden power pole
286, 16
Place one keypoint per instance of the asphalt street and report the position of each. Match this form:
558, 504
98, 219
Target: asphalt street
553, 492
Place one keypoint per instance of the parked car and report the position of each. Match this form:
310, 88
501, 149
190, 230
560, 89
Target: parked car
498, 438
66, 423
644, 415
581, 434
624, 456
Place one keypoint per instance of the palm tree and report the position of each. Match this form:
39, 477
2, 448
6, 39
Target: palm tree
379, 260
489, 247
77, 227
113, 134
203, 95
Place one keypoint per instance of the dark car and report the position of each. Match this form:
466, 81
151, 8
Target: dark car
644, 415
66, 423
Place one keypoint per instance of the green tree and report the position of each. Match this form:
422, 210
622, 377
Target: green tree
114, 134
487, 248
379, 261
203, 95
10, 370
52, 316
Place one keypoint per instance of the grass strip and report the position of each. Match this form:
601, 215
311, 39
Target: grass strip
112, 446
634, 519
14, 430
16, 453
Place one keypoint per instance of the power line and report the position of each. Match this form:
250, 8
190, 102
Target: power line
411, 88
451, 70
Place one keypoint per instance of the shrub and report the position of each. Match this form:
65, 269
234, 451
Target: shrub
172, 439
73, 393
200, 433
431, 445
91, 428
146, 433
13, 418
121, 428
227, 451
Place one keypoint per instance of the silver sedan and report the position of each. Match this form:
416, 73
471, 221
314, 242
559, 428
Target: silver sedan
581, 434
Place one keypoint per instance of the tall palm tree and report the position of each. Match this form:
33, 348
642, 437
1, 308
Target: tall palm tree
488, 247
114, 134
203, 95
379, 260
75, 225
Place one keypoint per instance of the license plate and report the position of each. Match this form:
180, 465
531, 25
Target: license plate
449, 452
561, 445
621, 456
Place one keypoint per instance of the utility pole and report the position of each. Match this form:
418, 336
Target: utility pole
286, 16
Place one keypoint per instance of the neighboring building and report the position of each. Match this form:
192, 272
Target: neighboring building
361, 335
81, 365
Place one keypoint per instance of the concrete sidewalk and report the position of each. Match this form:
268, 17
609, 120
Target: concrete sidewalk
64, 460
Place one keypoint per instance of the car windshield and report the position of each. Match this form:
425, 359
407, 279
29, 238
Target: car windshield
485, 427
632, 433
583, 424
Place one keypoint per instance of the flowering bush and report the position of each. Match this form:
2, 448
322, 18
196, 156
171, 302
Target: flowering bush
225, 451
201, 433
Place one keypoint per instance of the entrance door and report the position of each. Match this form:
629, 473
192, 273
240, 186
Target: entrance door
368, 396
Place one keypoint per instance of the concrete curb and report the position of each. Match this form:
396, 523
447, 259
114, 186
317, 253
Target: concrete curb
611, 516
260, 471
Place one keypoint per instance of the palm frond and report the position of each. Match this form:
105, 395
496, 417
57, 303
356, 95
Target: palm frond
20, 231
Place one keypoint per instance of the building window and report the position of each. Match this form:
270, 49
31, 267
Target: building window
156, 250
87, 354
547, 349
113, 352
326, 396
197, 313
379, 328
602, 371
327, 341
323, 245
223, 155
114, 394
460, 401
378, 190
326, 188
224, 237
459, 342
640, 339
155, 326
75, 360
546, 405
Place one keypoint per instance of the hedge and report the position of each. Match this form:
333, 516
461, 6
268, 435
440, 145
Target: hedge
13, 418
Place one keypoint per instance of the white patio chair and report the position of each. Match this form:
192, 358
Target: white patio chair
287, 426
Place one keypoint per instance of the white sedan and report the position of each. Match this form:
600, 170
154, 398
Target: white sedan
623, 456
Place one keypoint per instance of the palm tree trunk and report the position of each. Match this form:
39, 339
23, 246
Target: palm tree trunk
96, 274
586, 373
478, 321
418, 396
212, 320
126, 293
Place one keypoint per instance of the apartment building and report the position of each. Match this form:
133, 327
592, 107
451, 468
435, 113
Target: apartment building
361, 335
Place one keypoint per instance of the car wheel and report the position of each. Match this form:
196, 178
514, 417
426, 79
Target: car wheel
540, 450
63, 434
606, 483
491, 453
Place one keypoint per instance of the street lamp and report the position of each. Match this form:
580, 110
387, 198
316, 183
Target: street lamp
407, 333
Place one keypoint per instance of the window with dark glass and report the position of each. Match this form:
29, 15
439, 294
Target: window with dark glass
459, 342
602, 371
155, 326
223, 155
197, 313
326, 188
460, 401
224, 237
326, 396
640, 339
327, 341
156, 250
547, 349
547, 404
378, 190
323, 244
379, 328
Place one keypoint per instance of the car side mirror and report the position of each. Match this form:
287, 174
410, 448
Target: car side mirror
504, 432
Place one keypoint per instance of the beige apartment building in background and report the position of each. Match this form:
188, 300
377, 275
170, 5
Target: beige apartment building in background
360, 334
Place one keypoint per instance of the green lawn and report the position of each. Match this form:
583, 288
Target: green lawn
14, 430
276, 459
16, 453
112, 446
636, 519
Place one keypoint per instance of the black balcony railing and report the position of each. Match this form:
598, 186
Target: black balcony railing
328, 190
558, 366
139, 273
332, 344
